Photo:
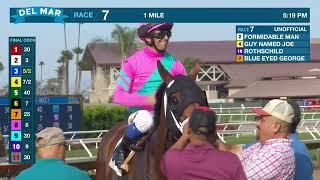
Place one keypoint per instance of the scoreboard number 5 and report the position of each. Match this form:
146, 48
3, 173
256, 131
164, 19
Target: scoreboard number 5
106, 12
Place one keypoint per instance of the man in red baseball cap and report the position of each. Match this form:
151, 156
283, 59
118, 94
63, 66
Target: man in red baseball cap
272, 157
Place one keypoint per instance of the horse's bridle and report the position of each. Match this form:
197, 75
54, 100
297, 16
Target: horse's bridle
190, 92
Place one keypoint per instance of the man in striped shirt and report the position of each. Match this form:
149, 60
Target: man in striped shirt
272, 157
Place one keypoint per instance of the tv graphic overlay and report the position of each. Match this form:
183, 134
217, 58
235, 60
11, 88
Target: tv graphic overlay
272, 44
22, 88
254, 43
177, 15
58, 111
24, 114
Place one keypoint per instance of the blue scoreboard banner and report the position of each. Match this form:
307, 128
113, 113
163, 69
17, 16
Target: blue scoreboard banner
59, 111
278, 43
178, 15
22, 60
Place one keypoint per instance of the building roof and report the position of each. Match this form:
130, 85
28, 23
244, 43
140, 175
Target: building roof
202, 83
217, 52
103, 53
250, 77
280, 88
315, 41
211, 52
242, 75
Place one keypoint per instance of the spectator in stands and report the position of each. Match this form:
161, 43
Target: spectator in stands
51, 149
193, 157
303, 163
272, 157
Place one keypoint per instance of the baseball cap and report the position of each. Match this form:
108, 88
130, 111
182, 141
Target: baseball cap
50, 136
278, 108
202, 121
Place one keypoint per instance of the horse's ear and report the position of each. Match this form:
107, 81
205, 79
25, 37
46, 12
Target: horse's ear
194, 71
165, 75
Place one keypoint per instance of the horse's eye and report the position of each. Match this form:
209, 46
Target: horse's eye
174, 100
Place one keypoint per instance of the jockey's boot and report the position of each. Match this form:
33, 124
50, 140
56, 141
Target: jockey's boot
121, 152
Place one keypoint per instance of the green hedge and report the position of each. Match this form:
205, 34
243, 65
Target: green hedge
102, 116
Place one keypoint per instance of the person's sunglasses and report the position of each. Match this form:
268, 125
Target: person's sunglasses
257, 117
160, 33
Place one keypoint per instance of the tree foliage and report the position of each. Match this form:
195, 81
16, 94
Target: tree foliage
125, 37
1, 67
102, 116
189, 62
84, 64
77, 50
66, 55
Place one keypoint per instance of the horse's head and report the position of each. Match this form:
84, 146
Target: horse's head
181, 96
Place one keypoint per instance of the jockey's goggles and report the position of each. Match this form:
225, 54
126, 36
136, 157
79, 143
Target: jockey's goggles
160, 33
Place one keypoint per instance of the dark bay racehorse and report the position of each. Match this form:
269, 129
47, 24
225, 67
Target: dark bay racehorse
177, 97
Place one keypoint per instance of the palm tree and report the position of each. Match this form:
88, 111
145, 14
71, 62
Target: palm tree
64, 58
1, 67
5, 88
66, 54
83, 64
77, 51
41, 82
60, 74
52, 87
4, 91
125, 37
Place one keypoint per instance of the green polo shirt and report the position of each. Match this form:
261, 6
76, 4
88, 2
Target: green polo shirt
52, 169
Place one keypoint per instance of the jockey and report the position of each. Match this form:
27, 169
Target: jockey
138, 81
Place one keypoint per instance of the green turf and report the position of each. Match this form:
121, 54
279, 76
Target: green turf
231, 139
81, 152
242, 139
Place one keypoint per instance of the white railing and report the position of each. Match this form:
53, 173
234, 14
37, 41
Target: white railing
244, 109
241, 129
239, 117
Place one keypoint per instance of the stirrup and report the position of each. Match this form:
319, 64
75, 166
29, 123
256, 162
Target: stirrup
137, 147
112, 162
119, 156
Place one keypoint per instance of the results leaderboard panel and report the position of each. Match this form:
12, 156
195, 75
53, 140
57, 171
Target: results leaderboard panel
58, 111
264, 44
22, 60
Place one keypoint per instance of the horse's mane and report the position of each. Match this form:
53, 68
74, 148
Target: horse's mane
158, 105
